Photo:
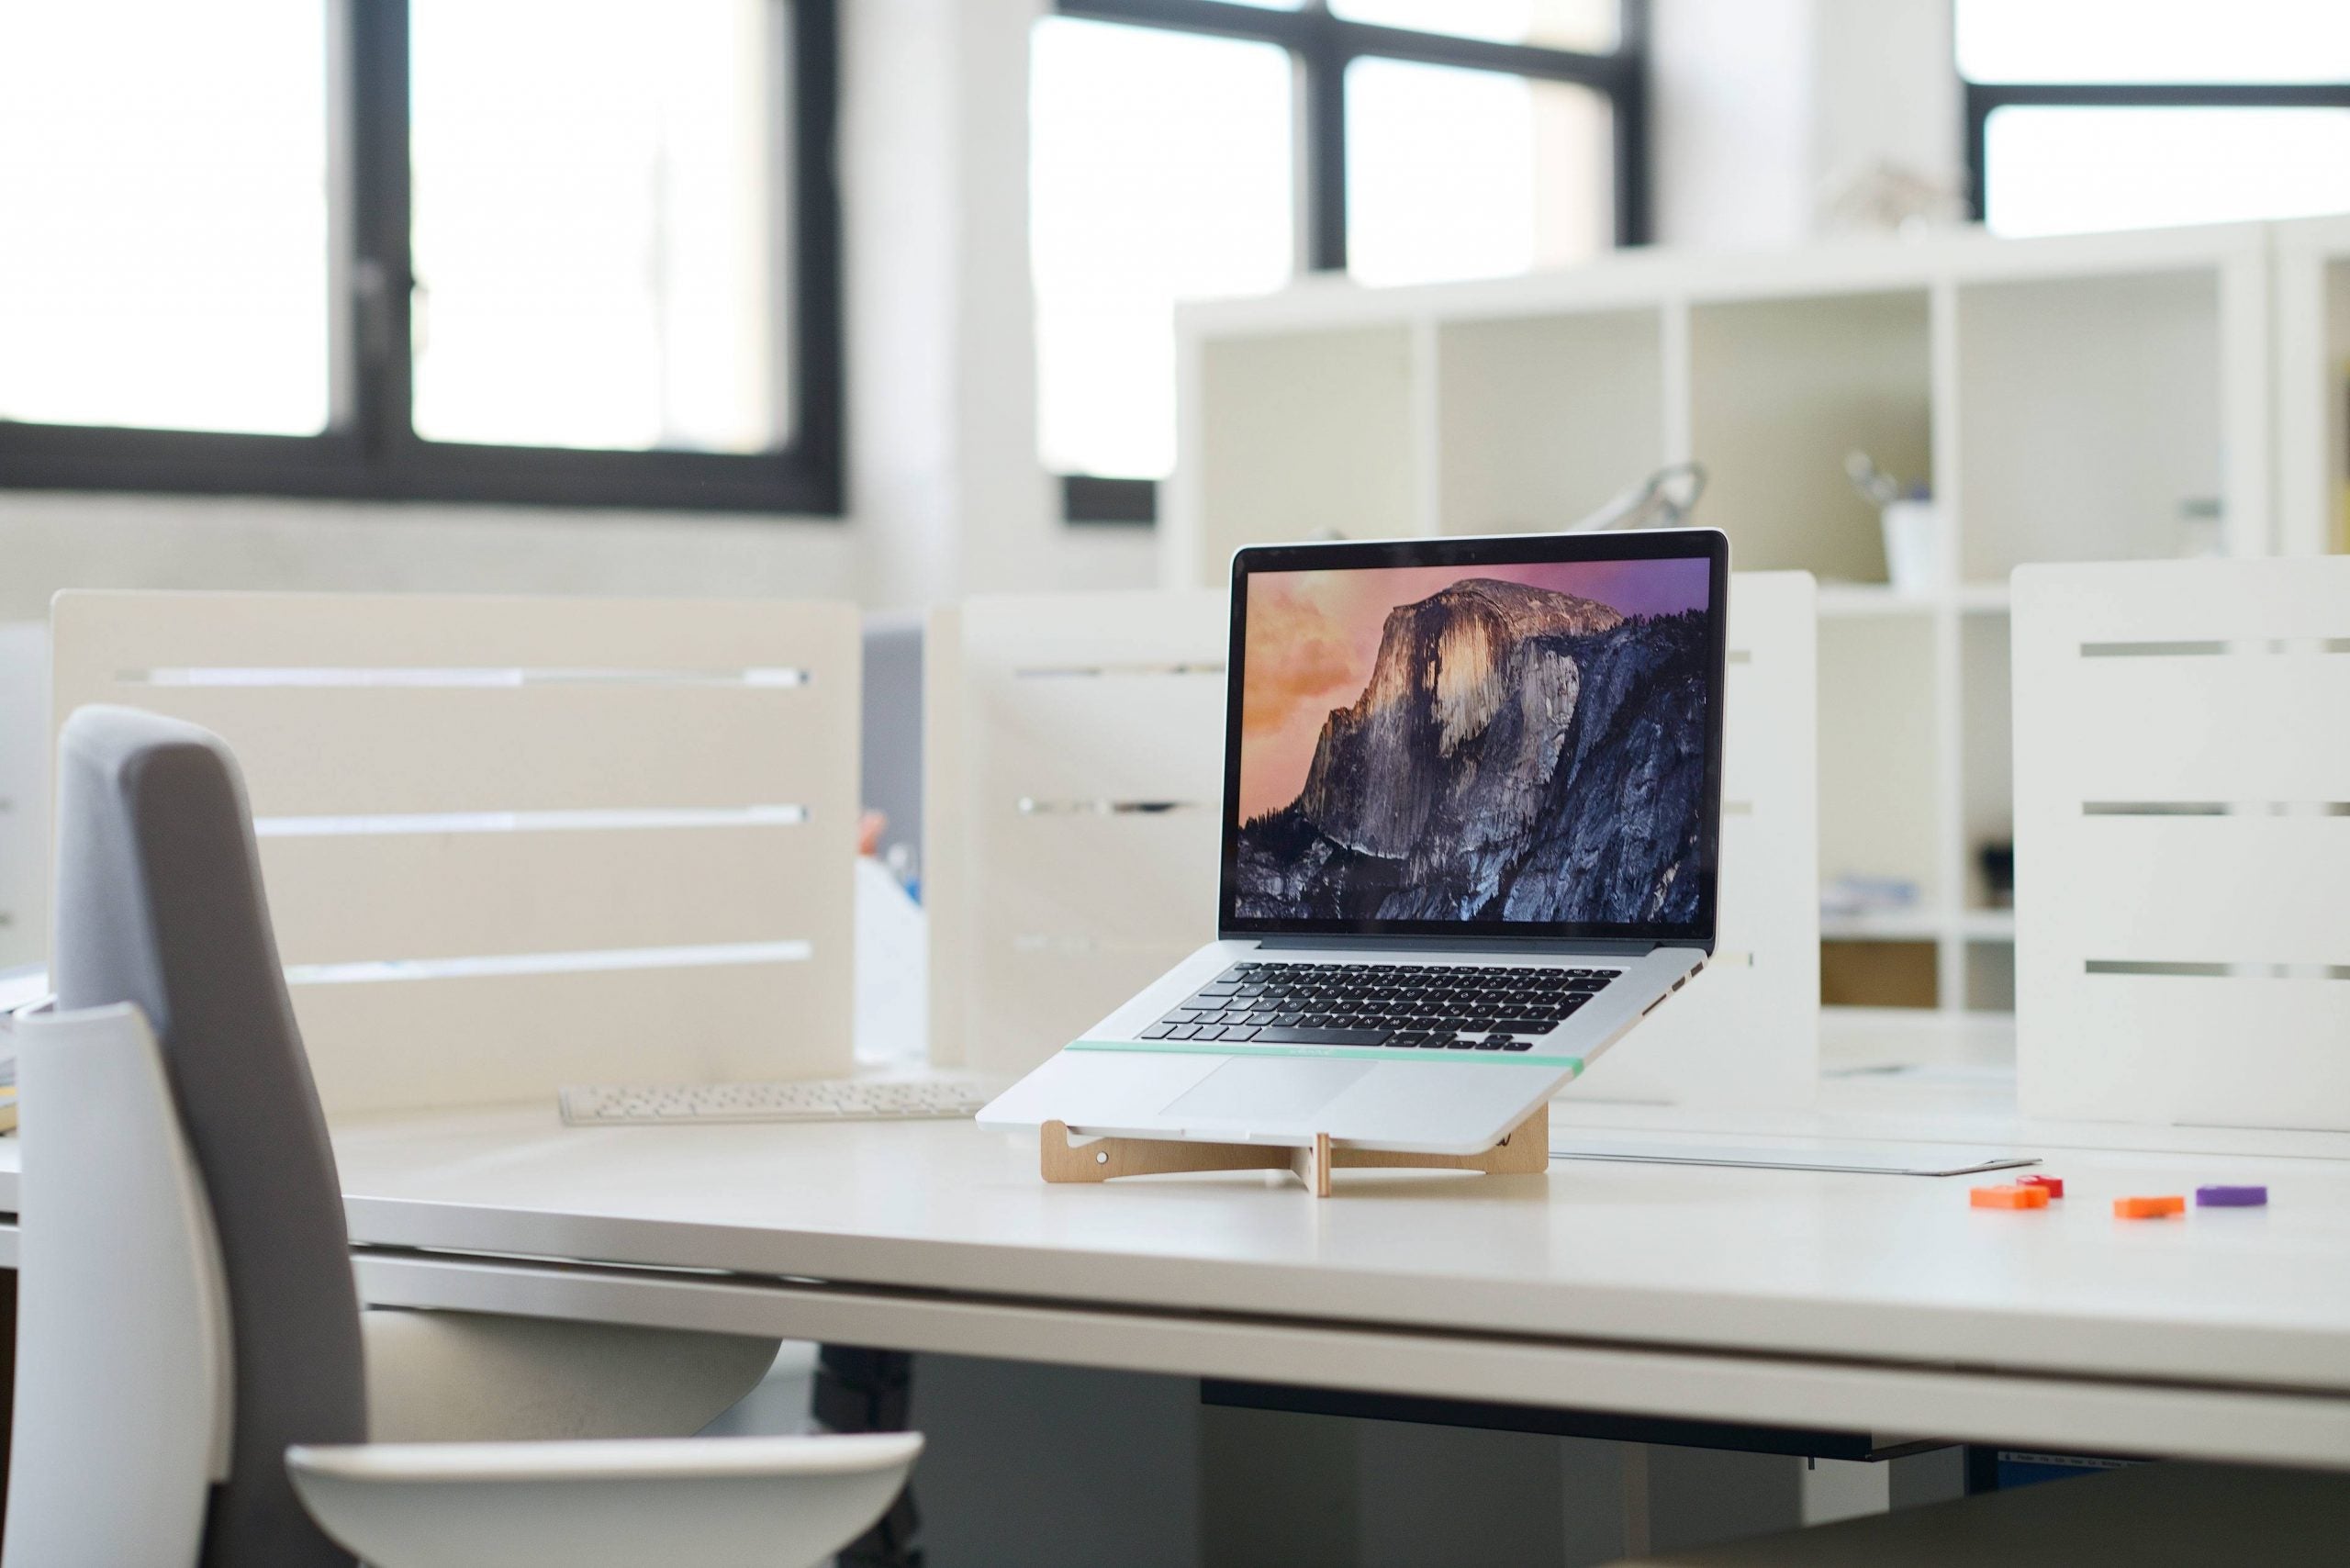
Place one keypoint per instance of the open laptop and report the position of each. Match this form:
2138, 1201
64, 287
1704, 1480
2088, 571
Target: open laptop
1471, 800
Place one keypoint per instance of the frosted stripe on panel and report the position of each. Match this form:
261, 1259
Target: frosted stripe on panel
282, 676
482, 965
2215, 808
2220, 971
528, 821
1068, 672
1030, 807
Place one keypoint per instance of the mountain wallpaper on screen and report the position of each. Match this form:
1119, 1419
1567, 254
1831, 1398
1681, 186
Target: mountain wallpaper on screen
1517, 754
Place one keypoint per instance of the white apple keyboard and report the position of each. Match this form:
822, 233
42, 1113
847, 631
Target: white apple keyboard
807, 1100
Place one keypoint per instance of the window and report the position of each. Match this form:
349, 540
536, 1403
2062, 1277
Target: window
1194, 149
582, 252
2119, 114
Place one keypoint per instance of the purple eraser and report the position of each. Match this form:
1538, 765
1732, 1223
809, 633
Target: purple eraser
2231, 1197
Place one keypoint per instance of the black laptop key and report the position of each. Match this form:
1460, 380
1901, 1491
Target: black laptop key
1519, 1046
1278, 1036
1158, 1031
1460, 1044
1522, 1025
1492, 1041
1403, 1040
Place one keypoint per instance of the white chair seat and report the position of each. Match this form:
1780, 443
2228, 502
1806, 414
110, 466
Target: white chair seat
706, 1502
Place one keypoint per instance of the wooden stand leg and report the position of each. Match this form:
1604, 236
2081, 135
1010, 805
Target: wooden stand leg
1525, 1151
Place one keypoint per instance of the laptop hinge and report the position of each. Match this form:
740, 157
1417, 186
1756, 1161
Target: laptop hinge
1626, 947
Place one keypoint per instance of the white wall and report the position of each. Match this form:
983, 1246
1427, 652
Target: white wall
1760, 106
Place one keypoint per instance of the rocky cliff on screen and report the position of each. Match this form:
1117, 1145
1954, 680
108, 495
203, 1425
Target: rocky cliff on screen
1517, 755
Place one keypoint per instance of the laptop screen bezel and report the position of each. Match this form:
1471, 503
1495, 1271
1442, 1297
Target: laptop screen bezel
1658, 544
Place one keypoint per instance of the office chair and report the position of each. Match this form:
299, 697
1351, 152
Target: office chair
192, 1376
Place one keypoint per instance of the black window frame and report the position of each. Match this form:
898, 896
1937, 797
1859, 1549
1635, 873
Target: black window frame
371, 451
1322, 46
1983, 99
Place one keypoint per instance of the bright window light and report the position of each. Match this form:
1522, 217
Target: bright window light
2154, 40
1455, 174
164, 253
598, 211
1587, 25
1161, 170
2070, 170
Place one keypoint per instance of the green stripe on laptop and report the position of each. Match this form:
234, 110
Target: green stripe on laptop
1350, 1053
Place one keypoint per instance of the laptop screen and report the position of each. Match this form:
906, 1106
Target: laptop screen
1499, 737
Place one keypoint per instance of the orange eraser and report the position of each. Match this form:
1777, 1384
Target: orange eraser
2148, 1208
2016, 1197
2052, 1185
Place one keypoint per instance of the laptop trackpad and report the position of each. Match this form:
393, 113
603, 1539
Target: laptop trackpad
1256, 1089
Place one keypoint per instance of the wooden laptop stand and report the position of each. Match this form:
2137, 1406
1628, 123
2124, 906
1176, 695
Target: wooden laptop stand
1524, 1151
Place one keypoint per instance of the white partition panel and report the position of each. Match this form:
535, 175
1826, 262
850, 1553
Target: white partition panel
514, 843
24, 792
1073, 769
1746, 1032
2183, 842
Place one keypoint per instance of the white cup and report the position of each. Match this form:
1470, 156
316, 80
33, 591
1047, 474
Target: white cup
1913, 545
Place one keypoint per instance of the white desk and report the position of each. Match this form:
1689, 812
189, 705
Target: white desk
1854, 1303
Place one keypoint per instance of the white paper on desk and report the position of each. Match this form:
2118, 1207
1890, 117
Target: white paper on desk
1862, 1159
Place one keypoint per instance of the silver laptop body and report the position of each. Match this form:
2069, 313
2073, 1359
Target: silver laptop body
1472, 807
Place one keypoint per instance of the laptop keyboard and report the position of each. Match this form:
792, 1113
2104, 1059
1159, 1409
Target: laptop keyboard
1456, 1007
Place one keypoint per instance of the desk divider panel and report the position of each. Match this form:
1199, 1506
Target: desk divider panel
24, 792
514, 843
2183, 842
1073, 777
1746, 1032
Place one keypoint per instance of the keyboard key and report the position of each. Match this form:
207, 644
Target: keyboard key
1435, 1042
1522, 1026
1491, 1043
1278, 1036
1460, 1044
1519, 1046
1402, 1042
1237, 1032
1156, 1032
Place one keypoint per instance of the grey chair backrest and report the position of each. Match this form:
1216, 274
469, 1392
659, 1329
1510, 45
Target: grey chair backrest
159, 902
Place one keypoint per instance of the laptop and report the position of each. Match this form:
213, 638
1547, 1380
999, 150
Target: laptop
1471, 805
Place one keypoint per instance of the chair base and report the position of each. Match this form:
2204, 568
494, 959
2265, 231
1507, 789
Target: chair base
1524, 1150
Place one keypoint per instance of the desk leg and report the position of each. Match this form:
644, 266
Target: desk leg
8, 1384
869, 1391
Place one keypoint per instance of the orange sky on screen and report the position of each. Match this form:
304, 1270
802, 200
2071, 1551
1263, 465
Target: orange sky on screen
1313, 637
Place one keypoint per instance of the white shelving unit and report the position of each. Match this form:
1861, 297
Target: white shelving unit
2078, 399
2312, 344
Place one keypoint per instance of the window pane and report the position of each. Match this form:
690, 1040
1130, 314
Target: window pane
599, 224
1458, 173
2052, 171
2154, 40
1588, 24
1159, 170
163, 203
